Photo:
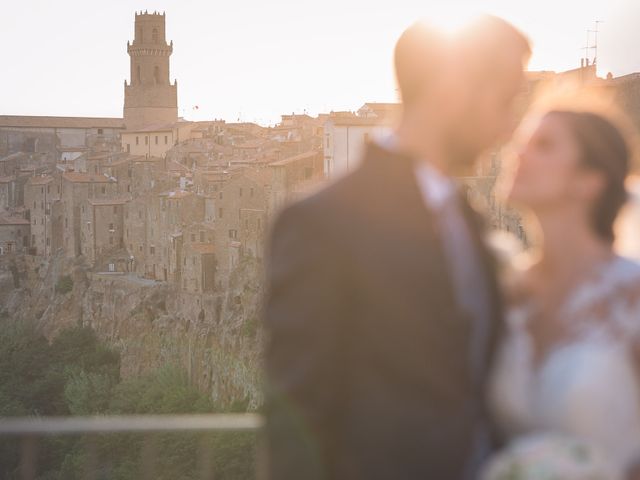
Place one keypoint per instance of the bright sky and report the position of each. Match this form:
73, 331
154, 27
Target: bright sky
257, 59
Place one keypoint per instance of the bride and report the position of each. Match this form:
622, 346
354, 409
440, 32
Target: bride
570, 362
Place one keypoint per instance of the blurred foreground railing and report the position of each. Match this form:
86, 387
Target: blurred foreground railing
147, 436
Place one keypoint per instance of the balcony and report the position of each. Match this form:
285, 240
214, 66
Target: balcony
139, 447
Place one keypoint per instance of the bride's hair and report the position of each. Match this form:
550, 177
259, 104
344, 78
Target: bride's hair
606, 149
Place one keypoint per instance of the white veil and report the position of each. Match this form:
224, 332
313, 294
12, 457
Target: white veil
628, 223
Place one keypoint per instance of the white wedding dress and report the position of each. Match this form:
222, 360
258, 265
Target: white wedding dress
587, 387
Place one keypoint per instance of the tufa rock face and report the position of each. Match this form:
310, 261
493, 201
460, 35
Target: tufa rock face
215, 337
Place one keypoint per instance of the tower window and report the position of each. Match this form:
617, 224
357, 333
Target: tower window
140, 34
138, 74
154, 35
156, 74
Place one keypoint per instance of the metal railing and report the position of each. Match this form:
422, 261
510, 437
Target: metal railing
32, 432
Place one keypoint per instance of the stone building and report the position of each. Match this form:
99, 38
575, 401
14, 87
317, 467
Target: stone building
135, 233
8, 192
56, 138
155, 140
149, 97
102, 228
240, 220
292, 177
40, 194
198, 268
77, 188
14, 235
346, 135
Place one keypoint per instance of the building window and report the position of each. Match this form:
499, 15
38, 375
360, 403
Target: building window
152, 250
251, 192
104, 190
146, 140
154, 35
156, 74
166, 139
240, 191
156, 139
128, 148
137, 140
220, 212
111, 227
115, 209
193, 237
246, 223
308, 172
100, 131
220, 195
201, 237
233, 234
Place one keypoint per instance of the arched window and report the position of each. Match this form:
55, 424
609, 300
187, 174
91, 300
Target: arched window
154, 35
156, 74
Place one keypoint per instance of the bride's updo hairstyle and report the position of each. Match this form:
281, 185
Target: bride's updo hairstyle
605, 148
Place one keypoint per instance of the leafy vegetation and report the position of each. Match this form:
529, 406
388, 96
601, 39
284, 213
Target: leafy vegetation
64, 284
76, 374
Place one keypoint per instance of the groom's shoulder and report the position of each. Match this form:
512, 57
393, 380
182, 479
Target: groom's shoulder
331, 209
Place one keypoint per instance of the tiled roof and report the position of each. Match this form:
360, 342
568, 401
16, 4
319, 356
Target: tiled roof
109, 201
60, 122
158, 127
176, 195
81, 177
295, 158
40, 180
203, 248
13, 221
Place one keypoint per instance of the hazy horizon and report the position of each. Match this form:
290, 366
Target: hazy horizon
255, 61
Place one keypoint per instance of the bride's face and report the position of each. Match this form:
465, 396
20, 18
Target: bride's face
547, 171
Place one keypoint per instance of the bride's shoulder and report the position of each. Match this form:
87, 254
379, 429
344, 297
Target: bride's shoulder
623, 271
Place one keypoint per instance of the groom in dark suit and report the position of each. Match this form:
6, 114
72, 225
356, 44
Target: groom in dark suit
383, 308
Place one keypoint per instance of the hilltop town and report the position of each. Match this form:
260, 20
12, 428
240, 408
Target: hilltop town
180, 209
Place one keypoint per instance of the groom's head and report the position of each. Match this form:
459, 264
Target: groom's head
491, 56
460, 89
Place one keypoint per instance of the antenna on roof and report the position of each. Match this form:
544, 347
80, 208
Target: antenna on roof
591, 46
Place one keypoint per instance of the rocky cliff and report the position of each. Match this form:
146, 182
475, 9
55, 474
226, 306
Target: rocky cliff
215, 337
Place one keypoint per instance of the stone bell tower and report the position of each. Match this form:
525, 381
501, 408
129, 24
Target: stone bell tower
150, 98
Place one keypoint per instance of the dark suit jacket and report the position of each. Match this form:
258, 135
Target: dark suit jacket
368, 370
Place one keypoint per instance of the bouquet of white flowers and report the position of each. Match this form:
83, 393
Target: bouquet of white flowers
549, 457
